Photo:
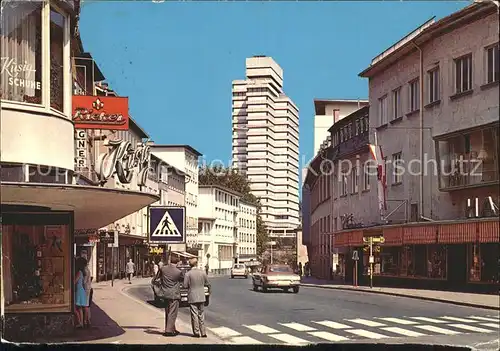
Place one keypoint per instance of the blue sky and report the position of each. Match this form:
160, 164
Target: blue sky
176, 60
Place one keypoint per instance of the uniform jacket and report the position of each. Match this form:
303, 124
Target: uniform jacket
171, 278
195, 281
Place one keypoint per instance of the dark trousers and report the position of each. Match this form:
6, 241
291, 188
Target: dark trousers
129, 276
171, 310
198, 318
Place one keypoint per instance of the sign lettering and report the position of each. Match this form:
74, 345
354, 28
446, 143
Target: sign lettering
103, 112
80, 149
156, 250
12, 69
122, 160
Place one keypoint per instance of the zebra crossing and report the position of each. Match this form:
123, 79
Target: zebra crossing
357, 329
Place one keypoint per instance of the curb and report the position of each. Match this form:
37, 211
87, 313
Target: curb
459, 303
211, 336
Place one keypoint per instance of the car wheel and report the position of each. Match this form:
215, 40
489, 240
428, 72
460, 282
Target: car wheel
232, 277
264, 289
285, 290
255, 287
246, 276
295, 289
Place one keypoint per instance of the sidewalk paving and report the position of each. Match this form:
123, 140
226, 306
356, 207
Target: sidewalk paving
487, 301
119, 318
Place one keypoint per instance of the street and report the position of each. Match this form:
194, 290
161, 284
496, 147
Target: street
239, 315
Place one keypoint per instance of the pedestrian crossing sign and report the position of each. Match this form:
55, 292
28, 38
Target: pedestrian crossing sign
167, 224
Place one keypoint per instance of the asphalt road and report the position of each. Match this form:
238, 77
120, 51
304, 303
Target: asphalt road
240, 315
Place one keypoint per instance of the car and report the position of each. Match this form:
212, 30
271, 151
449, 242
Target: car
184, 291
276, 276
239, 270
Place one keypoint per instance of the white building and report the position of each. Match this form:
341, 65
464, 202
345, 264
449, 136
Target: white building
184, 158
328, 112
265, 142
227, 228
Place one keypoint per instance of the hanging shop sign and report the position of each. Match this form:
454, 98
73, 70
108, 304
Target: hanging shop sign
106, 237
121, 159
80, 149
156, 251
19, 73
103, 112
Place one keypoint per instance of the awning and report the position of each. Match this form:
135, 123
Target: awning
184, 254
94, 207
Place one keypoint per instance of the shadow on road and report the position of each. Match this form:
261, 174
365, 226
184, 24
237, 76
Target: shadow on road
273, 291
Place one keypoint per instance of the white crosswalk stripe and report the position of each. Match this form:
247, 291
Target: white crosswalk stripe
244, 340
327, 336
491, 325
224, 332
485, 319
297, 326
456, 319
366, 334
398, 321
366, 322
263, 329
333, 325
289, 339
438, 330
401, 331
428, 320
471, 328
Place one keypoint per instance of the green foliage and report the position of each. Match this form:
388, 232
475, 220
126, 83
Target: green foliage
231, 179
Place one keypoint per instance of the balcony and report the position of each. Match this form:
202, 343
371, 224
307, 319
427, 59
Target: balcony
468, 160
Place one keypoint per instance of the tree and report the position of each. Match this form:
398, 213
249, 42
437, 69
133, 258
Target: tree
232, 179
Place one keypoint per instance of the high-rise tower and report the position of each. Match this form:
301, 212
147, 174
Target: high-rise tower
266, 143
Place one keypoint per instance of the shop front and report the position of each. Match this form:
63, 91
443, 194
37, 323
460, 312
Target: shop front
458, 256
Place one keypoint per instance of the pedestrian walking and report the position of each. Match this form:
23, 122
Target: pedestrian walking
195, 281
81, 300
170, 280
300, 269
87, 286
207, 268
155, 269
130, 269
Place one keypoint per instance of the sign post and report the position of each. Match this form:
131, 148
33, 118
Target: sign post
370, 241
355, 257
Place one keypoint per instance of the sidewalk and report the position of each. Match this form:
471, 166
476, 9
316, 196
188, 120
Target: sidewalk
119, 318
486, 301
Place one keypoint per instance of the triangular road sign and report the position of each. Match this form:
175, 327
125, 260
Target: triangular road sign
166, 227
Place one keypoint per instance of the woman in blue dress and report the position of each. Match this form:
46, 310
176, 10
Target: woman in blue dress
81, 300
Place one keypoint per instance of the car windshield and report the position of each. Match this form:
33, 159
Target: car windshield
239, 266
280, 269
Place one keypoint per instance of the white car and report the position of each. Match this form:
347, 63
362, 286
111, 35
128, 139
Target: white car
239, 270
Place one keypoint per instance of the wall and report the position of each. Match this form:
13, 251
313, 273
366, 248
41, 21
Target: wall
247, 229
448, 115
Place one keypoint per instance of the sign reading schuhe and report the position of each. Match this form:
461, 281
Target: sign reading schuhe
100, 112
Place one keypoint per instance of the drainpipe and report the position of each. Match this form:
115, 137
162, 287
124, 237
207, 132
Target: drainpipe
421, 125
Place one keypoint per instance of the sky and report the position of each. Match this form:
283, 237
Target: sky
176, 60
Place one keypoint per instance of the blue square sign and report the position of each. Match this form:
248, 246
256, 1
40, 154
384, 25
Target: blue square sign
167, 224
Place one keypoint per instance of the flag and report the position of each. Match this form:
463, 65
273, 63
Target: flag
378, 156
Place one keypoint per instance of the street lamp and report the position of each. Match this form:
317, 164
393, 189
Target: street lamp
271, 243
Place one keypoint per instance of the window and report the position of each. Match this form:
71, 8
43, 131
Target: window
57, 24
382, 110
433, 81
366, 177
397, 171
343, 185
396, 103
493, 64
354, 180
414, 98
36, 262
21, 46
463, 74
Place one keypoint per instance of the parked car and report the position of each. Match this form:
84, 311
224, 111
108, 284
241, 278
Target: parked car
184, 291
239, 270
276, 276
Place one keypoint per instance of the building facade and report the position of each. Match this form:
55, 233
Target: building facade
437, 106
44, 200
265, 143
247, 232
186, 159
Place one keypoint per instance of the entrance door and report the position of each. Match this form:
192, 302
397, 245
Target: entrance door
457, 266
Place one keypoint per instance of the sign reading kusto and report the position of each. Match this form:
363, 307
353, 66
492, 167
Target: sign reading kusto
100, 112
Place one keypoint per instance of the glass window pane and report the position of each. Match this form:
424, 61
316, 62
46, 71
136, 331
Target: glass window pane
57, 22
21, 52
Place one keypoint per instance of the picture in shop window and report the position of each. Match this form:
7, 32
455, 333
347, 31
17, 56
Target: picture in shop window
21, 52
36, 265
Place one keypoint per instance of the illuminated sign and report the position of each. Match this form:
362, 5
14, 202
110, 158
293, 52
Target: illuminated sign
156, 250
100, 112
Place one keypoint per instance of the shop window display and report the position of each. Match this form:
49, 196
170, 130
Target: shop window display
21, 51
36, 263
484, 262
436, 261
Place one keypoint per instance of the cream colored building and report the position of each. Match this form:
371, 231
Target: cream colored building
247, 231
265, 142
184, 158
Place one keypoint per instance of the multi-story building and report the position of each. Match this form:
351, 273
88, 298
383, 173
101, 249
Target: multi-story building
328, 112
247, 232
218, 227
184, 158
44, 200
435, 105
265, 143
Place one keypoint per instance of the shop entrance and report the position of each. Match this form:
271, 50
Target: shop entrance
457, 266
